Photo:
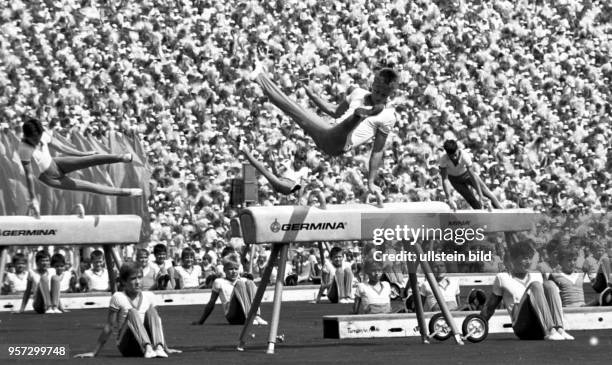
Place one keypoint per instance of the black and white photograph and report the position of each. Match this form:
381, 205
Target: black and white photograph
305, 181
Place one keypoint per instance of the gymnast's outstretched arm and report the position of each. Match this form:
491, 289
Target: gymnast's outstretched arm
446, 186
376, 159
29, 175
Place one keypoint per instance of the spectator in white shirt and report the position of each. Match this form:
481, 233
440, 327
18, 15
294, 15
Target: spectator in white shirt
97, 277
187, 276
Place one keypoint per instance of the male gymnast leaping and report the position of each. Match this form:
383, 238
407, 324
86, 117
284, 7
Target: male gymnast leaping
363, 115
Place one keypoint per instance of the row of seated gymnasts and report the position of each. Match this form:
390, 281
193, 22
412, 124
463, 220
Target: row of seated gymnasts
525, 294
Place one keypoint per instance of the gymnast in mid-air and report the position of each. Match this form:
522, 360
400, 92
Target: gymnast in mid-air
35, 146
362, 116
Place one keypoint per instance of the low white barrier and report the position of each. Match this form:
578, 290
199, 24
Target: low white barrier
405, 325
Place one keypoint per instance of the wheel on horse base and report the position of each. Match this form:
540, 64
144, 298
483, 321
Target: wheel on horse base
475, 328
439, 328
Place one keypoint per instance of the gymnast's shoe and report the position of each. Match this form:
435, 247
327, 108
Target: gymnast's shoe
258, 321
159, 351
553, 335
566, 336
135, 192
127, 157
149, 352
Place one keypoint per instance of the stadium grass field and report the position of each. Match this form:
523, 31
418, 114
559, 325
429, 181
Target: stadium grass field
215, 342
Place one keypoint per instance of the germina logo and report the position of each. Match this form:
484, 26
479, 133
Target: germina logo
321, 226
28, 232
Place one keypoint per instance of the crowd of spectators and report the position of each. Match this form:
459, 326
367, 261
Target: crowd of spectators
523, 85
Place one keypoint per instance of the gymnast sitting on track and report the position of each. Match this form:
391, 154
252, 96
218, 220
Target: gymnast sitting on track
373, 297
151, 275
456, 168
236, 294
164, 267
39, 284
570, 281
363, 115
337, 278
449, 287
133, 314
63, 281
534, 305
35, 146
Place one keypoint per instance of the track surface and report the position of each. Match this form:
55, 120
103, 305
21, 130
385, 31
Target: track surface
215, 342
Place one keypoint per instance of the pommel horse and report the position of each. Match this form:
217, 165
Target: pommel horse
281, 225
71, 230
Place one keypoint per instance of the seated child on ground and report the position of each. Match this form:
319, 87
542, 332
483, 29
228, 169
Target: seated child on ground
533, 304
373, 297
337, 278
39, 284
65, 277
569, 281
133, 315
61, 282
163, 266
236, 294
150, 271
448, 286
